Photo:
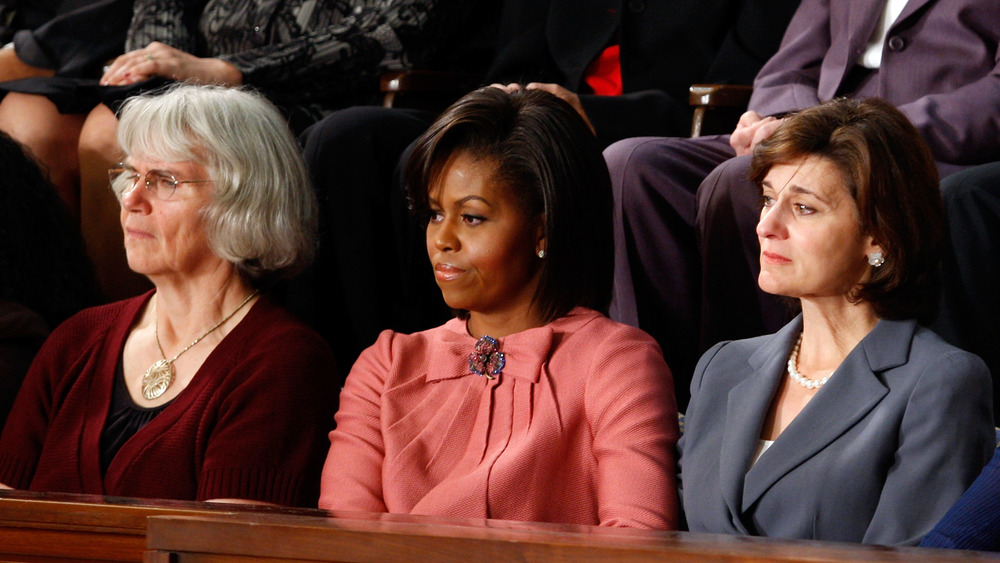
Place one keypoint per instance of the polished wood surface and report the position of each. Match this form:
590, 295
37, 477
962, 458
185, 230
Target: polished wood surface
424, 89
717, 107
359, 537
65, 527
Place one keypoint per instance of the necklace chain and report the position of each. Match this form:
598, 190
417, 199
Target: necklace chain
793, 371
160, 375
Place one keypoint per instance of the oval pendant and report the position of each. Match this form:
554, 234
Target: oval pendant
157, 380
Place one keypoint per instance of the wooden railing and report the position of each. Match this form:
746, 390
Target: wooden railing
64, 527
409, 539
56, 527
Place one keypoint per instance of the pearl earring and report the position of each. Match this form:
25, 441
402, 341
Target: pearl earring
541, 253
875, 259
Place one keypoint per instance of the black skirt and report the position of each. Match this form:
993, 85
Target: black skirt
79, 95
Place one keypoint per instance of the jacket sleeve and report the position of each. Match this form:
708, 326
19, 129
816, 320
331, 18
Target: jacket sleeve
961, 126
789, 80
347, 57
945, 438
173, 22
328, 61
633, 413
696, 381
352, 475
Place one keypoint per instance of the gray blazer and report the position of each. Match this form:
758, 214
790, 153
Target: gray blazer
877, 456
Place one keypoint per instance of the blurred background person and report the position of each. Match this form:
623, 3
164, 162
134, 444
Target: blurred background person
69, 38
974, 522
970, 307
852, 423
530, 404
45, 275
204, 388
970, 268
52, 47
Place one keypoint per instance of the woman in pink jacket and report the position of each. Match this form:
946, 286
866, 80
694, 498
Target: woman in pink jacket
530, 404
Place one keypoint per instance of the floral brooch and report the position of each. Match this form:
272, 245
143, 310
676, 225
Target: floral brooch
487, 360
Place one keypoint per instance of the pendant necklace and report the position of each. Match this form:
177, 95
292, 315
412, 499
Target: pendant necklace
160, 375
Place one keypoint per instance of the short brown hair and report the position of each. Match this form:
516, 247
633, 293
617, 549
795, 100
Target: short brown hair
892, 177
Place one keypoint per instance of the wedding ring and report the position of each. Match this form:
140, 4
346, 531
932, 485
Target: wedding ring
150, 57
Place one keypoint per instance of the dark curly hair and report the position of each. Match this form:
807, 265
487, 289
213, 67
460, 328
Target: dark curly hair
43, 265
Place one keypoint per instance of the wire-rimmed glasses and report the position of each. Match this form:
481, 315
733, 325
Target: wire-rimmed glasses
160, 184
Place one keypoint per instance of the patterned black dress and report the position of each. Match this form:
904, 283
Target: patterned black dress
313, 56
308, 56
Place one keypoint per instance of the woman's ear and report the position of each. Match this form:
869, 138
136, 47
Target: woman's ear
874, 253
541, 244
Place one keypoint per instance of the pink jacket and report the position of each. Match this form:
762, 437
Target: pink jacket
580, 427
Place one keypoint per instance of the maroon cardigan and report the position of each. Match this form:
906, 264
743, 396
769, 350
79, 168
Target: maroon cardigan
252, 423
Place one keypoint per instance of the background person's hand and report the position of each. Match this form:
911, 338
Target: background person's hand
158, 59
554, 89
569, 97
752, 129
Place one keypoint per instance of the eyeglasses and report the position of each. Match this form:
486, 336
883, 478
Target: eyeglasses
160, 185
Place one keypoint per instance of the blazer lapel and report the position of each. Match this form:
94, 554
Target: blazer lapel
911, 8
851, 393
862, 18
746, 408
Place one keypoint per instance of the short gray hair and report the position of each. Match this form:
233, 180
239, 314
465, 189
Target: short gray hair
263, 218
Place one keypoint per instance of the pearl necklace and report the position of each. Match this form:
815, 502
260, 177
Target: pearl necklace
797, 377
160, 375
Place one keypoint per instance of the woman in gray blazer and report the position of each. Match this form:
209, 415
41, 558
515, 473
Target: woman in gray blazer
852, 423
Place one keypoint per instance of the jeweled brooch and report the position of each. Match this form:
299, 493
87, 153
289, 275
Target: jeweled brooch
487, 360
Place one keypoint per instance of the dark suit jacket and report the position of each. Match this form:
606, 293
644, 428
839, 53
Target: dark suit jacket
877, 456
974, 521
940, 66
665, 47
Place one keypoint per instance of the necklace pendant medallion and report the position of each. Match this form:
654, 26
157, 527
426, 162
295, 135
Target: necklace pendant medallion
157, 380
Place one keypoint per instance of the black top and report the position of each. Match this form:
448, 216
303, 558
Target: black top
125, 418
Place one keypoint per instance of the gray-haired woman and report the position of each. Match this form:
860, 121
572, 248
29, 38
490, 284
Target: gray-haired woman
203, 388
